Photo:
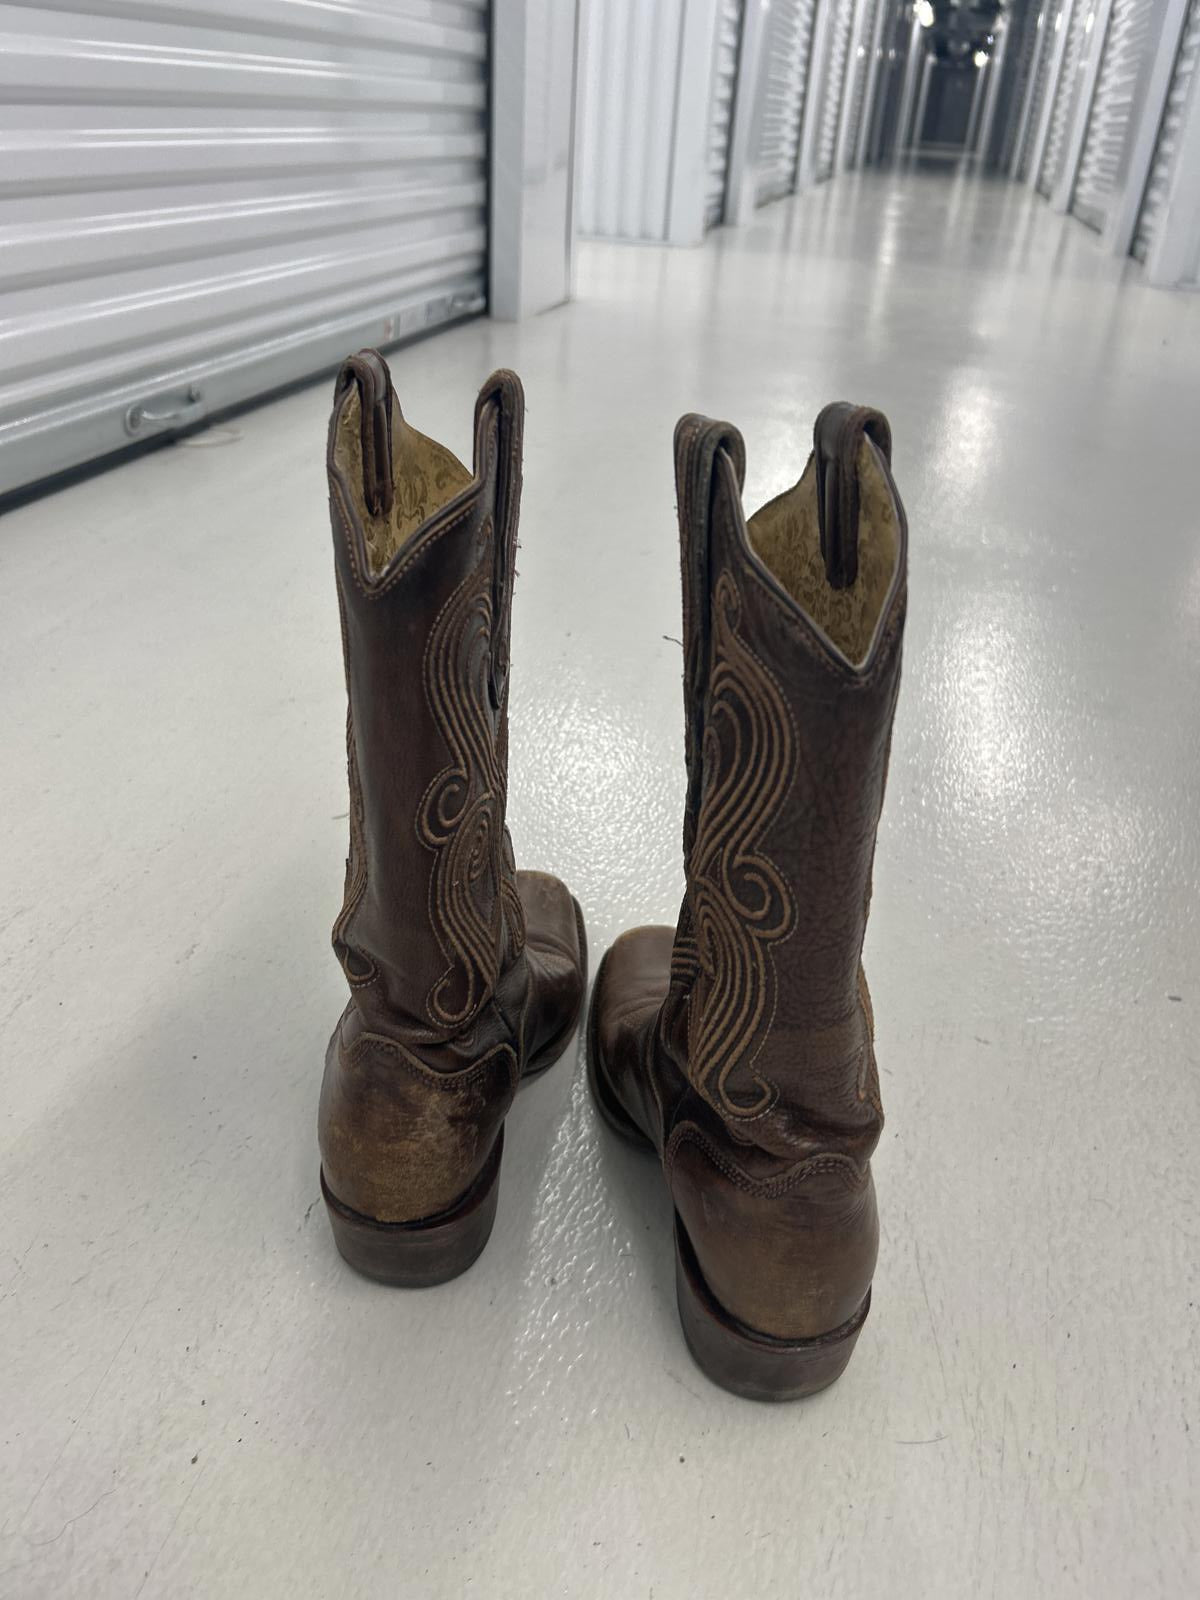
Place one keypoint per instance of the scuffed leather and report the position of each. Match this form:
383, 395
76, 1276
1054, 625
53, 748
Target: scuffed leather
630, 988
405, 1132
741, 1043
460, 968
552, 959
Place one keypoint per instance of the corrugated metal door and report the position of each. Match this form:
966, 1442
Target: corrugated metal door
831, 88
1183, 83
631, 56
1065, 96
1041, 80
202, 199
1110, 119
860, 68
1014, 123
720, 111
785, 77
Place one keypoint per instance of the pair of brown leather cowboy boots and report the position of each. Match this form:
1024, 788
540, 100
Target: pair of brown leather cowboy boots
739, 1044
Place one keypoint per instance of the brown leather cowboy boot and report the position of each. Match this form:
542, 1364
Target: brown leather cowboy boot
740, 1043
465, 975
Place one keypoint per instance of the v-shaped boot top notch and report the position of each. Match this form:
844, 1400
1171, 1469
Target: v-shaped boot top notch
398, 477
834, 539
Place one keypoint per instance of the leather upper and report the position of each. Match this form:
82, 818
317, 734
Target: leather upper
742, 1044
431, 914
460, 968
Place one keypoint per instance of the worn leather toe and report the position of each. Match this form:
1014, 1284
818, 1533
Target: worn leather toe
556, 954
630, 989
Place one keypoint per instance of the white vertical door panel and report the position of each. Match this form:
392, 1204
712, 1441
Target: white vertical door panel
1125, 56
1066, 95
532, 138
630, 69
1032, 115
1184, 81
1016, 122
858, 71
832, 85
720, 111
881, 65
203, 199
784, 83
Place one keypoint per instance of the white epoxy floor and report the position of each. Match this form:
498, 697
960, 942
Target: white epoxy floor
198, 1399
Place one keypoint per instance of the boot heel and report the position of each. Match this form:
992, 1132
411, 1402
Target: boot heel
755, 1365
417, 1255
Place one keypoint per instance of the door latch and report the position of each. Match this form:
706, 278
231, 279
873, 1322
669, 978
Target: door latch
140, 418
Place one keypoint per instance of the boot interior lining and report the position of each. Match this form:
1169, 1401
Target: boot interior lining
425, 476
785, 535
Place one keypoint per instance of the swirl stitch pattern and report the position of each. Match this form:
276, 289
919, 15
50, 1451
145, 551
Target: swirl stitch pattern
461, 817
740, 903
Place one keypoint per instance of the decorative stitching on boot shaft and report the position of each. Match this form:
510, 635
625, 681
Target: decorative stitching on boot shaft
461, 815
740, 903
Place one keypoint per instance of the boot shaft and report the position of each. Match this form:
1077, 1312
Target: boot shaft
792, 633
424, 553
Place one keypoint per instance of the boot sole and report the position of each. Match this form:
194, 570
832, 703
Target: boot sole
433, 1250
753, 1365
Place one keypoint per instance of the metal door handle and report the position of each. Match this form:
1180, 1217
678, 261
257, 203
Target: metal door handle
140, 417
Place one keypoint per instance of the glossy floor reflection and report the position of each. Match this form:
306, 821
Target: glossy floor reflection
198, 1399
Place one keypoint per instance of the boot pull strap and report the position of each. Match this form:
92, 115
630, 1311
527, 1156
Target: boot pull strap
502, 394
837, 440
369, 372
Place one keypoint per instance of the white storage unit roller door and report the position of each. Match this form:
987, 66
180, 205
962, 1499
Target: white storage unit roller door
858, 72
831, 88
1065, 96
202, 199
1037, 89
720, 113
1185, 81
1110, 119
785, 79
1024, 64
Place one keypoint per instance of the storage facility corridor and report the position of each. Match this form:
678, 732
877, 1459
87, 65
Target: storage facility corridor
199, 1397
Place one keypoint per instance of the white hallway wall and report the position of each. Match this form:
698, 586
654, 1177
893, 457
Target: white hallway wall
1149, 125
534, 121
647, 70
